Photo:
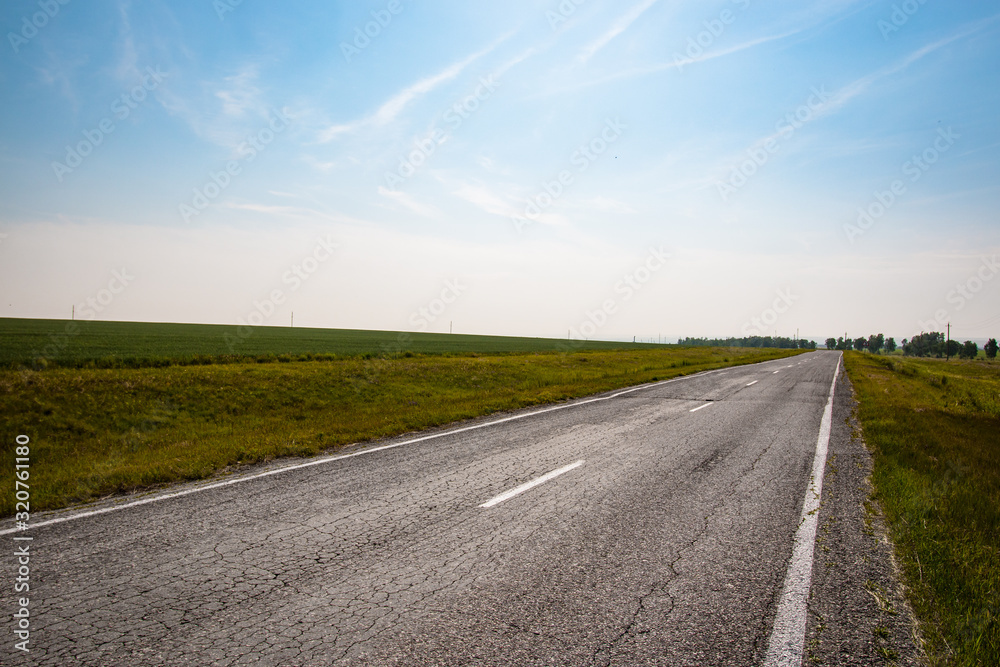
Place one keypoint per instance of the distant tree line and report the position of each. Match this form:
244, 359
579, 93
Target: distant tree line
750, 341
875, 343
933, 344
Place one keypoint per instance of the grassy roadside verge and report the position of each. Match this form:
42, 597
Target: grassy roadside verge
97, 432
934, 430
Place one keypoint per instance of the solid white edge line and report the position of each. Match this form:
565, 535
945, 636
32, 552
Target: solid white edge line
788, 636
338, 457
507, 495
700, 407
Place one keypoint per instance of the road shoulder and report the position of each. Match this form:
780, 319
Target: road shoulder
857, 613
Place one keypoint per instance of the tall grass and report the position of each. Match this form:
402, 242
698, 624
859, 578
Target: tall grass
934, 428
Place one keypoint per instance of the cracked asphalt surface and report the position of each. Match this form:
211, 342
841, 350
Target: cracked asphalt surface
668, 546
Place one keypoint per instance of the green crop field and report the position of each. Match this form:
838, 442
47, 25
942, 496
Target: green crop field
934, 430
81, 343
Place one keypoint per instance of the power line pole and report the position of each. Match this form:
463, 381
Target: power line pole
947, 344
293, 320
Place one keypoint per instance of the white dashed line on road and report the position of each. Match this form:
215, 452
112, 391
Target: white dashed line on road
507, 495
750, 384
700, 407
323, 460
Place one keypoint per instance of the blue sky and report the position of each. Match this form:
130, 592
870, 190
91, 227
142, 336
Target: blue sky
540, 168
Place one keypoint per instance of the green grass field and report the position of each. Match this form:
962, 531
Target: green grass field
96, 432
934, 429
73, 344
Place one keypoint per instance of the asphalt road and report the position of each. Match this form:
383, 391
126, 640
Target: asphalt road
667, 543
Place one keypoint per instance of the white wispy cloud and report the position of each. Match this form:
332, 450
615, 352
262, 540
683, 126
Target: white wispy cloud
507, 205
59, 73
408, 202
860, 86
301, 213
320, 165
395, 105
608, 204
678, 63
681, 62
842, 97
516, 60
485, 199
619, 26
240, 94
807, 18
127, 67
222, 111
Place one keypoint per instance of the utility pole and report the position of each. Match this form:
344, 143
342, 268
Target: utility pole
947, 344
74, 312
451, 326
293, 319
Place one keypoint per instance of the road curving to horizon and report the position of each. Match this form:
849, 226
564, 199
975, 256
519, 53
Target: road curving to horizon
647, 526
